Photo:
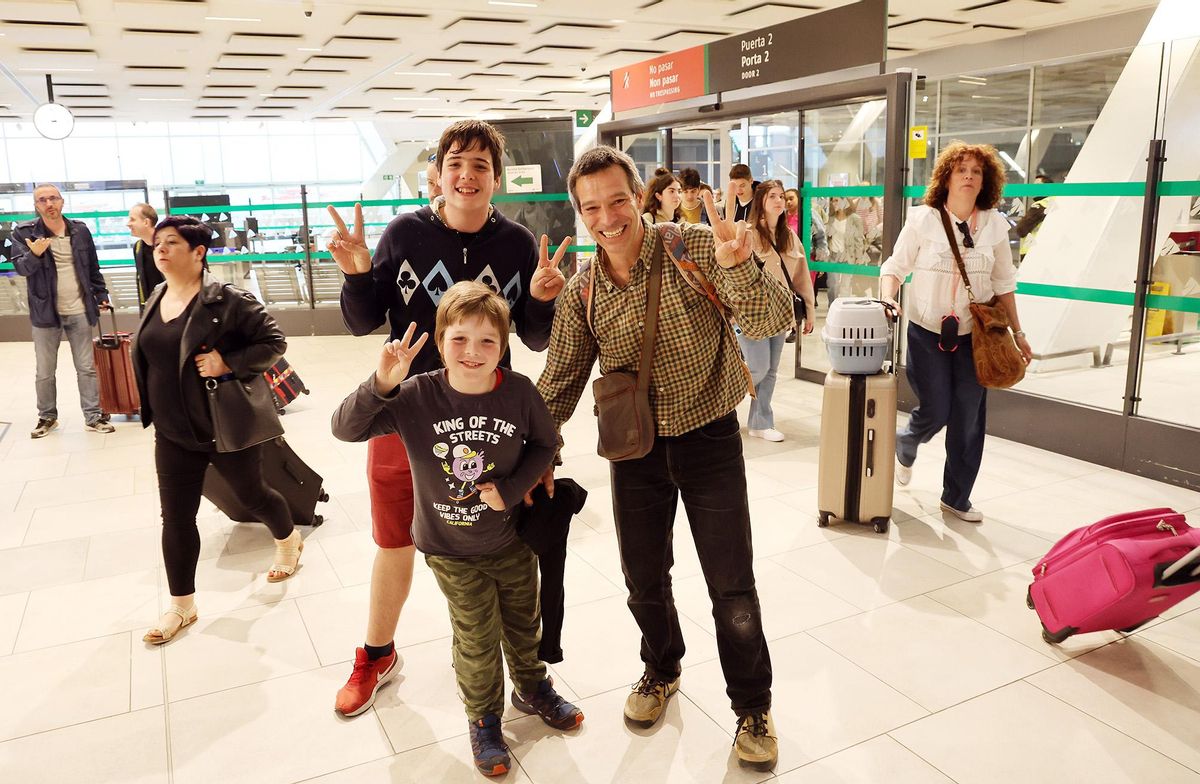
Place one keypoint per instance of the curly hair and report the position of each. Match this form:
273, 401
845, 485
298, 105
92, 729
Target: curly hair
950, 157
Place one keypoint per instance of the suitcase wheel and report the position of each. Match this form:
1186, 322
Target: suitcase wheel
823, 519
1054, 638
1029, 598
880, 524
323, 496
317, 520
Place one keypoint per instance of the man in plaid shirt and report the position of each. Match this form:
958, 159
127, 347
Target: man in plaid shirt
697, 380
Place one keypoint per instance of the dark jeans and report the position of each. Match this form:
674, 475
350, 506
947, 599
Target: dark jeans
705, 468
180, 481
949, 396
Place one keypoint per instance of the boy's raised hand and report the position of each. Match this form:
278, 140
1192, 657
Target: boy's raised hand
396, 359
548, 280
349, 248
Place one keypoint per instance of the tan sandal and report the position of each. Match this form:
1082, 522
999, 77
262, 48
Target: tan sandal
287, 557
159, 635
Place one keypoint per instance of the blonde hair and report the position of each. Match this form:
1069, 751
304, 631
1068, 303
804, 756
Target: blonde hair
467, 300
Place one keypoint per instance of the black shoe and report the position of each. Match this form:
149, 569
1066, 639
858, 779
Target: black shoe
791, 336
488, 747
546, 702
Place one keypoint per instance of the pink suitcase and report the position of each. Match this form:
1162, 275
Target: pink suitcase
1117, 574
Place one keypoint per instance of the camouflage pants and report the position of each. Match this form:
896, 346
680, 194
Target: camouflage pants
493, 603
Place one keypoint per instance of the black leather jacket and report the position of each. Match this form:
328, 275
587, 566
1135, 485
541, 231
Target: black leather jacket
226, 318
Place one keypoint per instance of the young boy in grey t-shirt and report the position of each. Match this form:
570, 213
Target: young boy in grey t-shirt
478, 439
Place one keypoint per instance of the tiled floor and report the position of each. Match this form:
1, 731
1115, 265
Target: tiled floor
902, 658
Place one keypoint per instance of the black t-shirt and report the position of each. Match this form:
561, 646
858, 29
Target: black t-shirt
180, 409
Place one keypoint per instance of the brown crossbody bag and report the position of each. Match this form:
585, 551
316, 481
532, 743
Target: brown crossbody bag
998, 361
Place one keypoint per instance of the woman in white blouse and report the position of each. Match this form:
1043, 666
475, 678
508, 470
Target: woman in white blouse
967, 181
782, 256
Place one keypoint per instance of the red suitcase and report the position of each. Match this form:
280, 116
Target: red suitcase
114, 371
1116, 574
285, 382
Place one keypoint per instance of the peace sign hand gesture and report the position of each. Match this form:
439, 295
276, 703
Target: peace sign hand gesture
732, 238
349, 249
396, 359
548, 280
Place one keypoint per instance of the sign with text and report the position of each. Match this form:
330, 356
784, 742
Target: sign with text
523, 179
662, 79
844, 37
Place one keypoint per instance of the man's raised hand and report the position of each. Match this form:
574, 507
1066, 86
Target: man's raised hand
548, 280
732, 239
396, 359
349, 248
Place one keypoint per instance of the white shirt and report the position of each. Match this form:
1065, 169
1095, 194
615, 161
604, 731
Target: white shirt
937, 288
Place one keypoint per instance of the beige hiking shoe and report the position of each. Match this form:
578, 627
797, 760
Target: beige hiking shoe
756, 744
645, 704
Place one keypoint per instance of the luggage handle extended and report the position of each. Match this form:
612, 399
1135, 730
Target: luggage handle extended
115, 341
1166, 573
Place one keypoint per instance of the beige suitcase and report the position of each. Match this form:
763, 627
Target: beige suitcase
858, 449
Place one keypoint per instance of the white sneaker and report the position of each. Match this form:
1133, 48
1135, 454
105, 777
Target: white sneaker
971, 515
903, 474
770, 434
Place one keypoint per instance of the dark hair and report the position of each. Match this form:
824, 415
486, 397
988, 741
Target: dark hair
781, 237
689, 178
661, 170
704, 186
465, 134
146, 211
194, 232
655, 187
598, 159
950, 157
740, 171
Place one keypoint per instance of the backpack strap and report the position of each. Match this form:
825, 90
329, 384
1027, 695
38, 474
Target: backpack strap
585, 293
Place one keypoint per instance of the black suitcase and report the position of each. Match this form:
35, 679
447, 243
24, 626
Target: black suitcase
286, 473
285, 382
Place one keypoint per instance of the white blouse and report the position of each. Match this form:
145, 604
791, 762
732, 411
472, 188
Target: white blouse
937, 289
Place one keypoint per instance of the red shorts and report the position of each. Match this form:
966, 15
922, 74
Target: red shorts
389, 478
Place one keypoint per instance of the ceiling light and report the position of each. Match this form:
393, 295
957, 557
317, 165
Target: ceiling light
512, 3
164, 99
308, 48
412, 98
421, 73
231, 19
63, 70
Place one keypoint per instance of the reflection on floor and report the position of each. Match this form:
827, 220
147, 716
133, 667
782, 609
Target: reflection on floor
902, 658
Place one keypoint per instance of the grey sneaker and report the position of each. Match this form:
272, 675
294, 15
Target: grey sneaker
99, 426
971, 515
44, 426
756, 744
644, 706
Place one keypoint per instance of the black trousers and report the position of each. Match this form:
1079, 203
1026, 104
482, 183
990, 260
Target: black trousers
180, 482
705, 468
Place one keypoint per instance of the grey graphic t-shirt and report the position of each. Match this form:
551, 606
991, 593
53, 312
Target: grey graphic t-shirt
505, 436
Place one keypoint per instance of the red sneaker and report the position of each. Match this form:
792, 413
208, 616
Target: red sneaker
359, 692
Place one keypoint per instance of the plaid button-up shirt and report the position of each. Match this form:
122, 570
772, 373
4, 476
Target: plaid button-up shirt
697, 374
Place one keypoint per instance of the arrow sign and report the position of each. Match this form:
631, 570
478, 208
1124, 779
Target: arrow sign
523, 179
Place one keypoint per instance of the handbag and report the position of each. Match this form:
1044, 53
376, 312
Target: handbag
998, 361
243, 412
624, 418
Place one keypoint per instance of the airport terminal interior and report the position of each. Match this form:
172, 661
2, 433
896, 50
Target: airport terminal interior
906, 656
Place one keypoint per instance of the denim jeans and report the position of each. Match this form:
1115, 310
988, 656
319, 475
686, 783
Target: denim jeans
45, 348
949, 396
763, 358
705, 468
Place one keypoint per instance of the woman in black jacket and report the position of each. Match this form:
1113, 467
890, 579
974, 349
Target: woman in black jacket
198, 331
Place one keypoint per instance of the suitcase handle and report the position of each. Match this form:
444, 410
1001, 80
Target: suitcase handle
113, 341
1166, 573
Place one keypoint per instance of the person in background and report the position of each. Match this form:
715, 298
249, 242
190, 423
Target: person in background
692, 208
470, 479
141, 222
791, 198
741, 189
403, 284
225, 336
697, 450
58, 258
782, 256
870, 211
664, 195
847, 245
1027, 227
433, 188
966, 184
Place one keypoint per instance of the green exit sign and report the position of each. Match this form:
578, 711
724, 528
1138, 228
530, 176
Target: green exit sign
389, 177
584, 117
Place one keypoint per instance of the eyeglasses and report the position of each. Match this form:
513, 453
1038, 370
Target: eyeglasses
965, 228
48, 199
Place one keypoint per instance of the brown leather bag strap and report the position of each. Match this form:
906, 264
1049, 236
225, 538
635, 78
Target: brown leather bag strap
962, 268
653, 291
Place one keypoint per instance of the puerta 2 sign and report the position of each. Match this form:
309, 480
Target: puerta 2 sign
845, 37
